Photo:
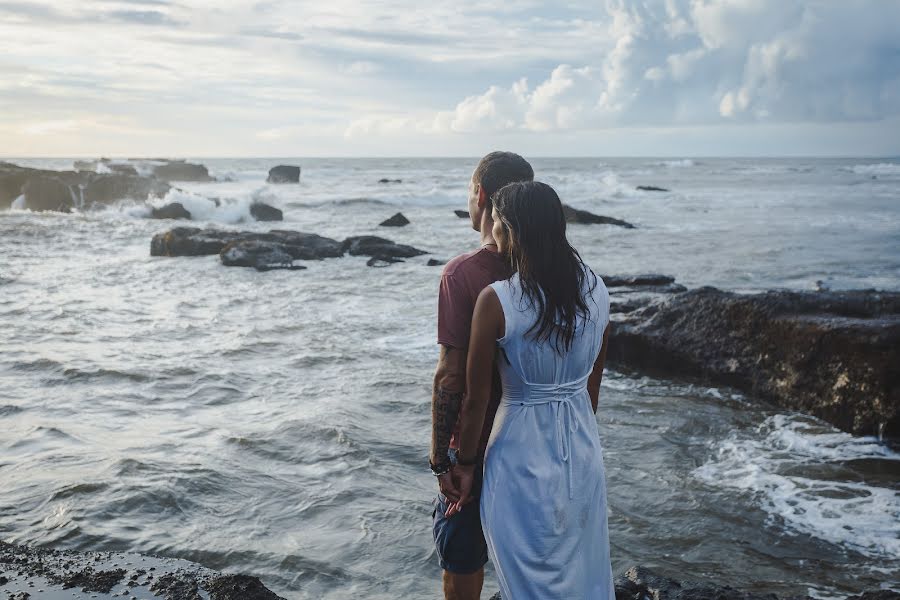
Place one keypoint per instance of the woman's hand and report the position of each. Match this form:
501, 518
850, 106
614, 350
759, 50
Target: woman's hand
464, 477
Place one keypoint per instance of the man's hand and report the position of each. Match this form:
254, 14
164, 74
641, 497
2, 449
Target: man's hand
464, 477
448, 487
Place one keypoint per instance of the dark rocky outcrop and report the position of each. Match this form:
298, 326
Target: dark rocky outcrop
574, 215
284, 174
104, 163
462, 214
640, 583
386, 180
179, 170
193, 241
264, 212
175, 210
378, 247
644, 284
65, 190
651, 188
398, 220
433, 262
85, 574
834, 355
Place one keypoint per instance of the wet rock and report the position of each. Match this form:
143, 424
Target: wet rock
833, 355
284, 174
238, 587
262, 256
176, 586
433, 262
193, 241
43, 193
636, 280
385, 180
264, 212
574, 215
90, 580
104, 165
397, 220
175, 210
383, 261
374, 246
651, 188
65, 190
462, 214
179, 170
639, 583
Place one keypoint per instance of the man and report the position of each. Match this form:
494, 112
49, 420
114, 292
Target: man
458, 536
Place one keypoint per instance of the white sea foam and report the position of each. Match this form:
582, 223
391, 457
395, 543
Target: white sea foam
19, 203
877, 169
229, 210
774, 466
684, 162
102, 168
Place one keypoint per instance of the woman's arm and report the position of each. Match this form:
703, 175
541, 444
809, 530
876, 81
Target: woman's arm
487, 328
593, 384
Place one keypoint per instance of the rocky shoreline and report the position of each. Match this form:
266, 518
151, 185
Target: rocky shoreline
49, 574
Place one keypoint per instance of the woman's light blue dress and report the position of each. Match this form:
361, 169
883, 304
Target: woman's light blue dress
543, 504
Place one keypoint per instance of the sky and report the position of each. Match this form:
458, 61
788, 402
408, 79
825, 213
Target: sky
194, 78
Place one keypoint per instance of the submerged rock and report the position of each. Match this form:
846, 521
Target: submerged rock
462, 214
386, 180
284, 174
398, 220
574, 215
261, 255
378, 247
264, 212
433, 262
833, 355
651, 188
175, 210
179, 170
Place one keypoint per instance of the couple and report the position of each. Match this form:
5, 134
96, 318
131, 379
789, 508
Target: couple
522, 324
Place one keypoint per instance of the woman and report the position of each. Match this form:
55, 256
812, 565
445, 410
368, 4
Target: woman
543, 503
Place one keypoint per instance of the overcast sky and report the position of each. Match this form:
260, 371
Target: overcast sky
398, 77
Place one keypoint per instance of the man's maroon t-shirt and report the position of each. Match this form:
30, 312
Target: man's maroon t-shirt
462, 280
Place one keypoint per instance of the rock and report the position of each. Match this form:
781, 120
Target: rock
101, 572
44, 193
651, 188
433, 262
382, 261
175, 210
397, 220
179, 170
104, 165
65, 190
639, 583
635, 280
833, 355
284, 174
263, 256
370, 245
462, 214
264, 212
385, 180
574, 215
193, 241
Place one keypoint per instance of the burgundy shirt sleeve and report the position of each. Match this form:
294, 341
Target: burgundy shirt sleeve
454, 313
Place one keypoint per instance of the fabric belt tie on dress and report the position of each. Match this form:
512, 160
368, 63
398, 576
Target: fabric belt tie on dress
560, 394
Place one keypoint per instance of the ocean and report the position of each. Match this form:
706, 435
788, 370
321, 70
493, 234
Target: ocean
277, 423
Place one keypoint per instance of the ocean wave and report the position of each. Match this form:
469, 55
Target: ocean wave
672, 164
202, 208
796, 471
877, 169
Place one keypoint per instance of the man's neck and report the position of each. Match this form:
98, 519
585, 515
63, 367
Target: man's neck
487, 235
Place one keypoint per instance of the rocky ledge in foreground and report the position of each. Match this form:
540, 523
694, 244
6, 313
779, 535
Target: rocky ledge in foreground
56, 574
640, 583
834, 355
274, 249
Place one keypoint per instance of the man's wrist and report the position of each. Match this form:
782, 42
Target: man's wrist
441, 468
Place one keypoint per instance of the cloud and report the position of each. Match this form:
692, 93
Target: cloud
690, 62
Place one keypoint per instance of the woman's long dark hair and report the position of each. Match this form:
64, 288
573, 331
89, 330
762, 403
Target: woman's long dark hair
550, 270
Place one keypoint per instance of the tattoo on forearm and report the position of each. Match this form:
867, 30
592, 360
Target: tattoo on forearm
445, 406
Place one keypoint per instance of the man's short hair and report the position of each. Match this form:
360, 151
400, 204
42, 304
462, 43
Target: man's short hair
498, 169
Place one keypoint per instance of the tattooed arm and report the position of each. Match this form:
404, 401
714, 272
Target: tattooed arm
446, 400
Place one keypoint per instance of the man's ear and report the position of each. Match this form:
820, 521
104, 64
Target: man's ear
482, 196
